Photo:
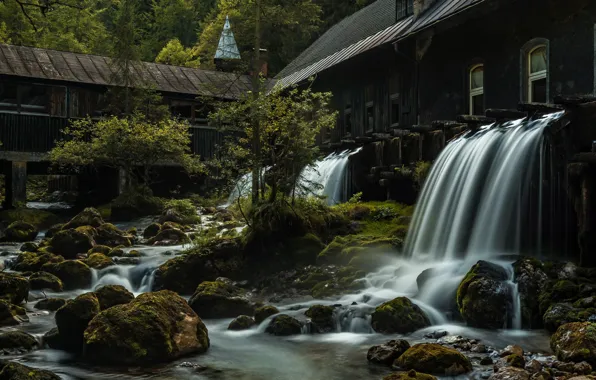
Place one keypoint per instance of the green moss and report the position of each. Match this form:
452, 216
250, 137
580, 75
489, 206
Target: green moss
515, 361
74, 274
44, 280
51, 304
265, 312
32, 262
20, 232
72, 320
322, 318
37, 218
243, 322
100, 249
88, 217
435, 359
69, 243
99, 261
410, 375
13, 288
16, 371
112, 295
11, 315
17, 339
399, 315
284, 325
575, 342
217, 299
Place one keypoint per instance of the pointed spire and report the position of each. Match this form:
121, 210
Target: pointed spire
227, 48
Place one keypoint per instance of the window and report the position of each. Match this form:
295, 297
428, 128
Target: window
8, 97
537, 74
476, 81
403, 8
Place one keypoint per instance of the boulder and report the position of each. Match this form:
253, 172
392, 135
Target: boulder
13, 288
100, 249
50, 304
98, 261
20, 232
482, 297
53, 230
510, 373
531, 280
11, 315
243, 322
116, 252
16, 371
72, 320
434, 359
284, 325
74, 274
169, 237
575, 342
265, 312
400, 316
410, 375
561, 313
387, 353
29, 247
45, 280
110, 235
87, 217
54, 340
112, 295
17, 339
154, 327
69, 243
152, 230
321, 317
218, 299
32, 262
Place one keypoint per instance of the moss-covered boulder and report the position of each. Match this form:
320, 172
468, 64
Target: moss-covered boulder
104, 249
400, 316
38, 218
243, 322
32, 262
110, 235
531, 280
98, 261
72, 320
154, 327
265, 312
218, 299
16, 371
87, 217
53, 230
50, 304
74, 274
482, 297
29, 247
151, 230
434, 359
322, 318
561, 313
69, 243
112, 295
45, 280
11, 315
387, 353
169, 237
17, 339
410, 375
13, 288
575, 342
305, 249
284, 325
345, 248
20, 232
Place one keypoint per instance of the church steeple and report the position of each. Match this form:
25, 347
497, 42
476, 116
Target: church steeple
227, 48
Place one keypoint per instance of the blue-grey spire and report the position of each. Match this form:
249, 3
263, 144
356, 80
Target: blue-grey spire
227, 48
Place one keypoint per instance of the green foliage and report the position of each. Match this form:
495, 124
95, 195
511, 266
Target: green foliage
176, 54
421, 172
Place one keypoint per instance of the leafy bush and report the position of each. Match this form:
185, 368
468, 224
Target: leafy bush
184, 208
421, 171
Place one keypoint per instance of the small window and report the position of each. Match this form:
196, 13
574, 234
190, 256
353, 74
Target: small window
537, 74
477, 90
8, 97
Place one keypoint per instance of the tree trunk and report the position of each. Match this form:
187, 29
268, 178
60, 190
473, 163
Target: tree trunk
256, 138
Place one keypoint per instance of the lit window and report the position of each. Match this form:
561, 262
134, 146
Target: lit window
537, 74
477, 90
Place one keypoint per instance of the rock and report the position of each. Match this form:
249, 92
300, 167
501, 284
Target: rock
133, 253
152, 230
45, 280
216, 299
11, 315
69, 243
515, 360
53, 339
20, 232
479, 349
116, 252
435, 359
100, 249
87, 217
154, 327
534, 366
169, 237
531, 280
112, 295
17, 339
32, 262
50, 304
16, 371
53, 230
29, 247
284, 325
561, 313
243, 322
512, 350
486, 361
98, 261
398, 316
575, 342
510, 373
410, 375
110, 235
13, 288
582, 368
74, 274
321, 318
72, 320
387, 353
436, 334
264, 312
482, 297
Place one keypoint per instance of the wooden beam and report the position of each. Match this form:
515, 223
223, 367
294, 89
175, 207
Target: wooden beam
574, 100
541, 108
504, 114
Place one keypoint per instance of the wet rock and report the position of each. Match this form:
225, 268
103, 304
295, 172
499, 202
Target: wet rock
567, 367
582, 368
133, 253
87, 217
50, 304
512, 350
17, 339
29, 247
400, 316
243, 322
16, 371
387, 353
127, 260
154, 327
264, 312
104, 249
479, 349
152, 230
53, 339
531, 280
110, 235
435, 359
284, 325
169, 237
436, 334
74, 274
53, 230
112, 295
98, 261
575, 342
486, 360
72, 320
533, 366
20, 232
69, 243
217, 299
45, 280
13, 288
510, 373
515, 360
32, 262
561, 313
322, 319
482, 297
116, 252
11, 315
410, 375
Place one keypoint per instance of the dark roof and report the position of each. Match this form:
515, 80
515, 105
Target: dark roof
92, 69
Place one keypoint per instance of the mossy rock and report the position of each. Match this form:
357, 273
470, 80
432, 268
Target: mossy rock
322, 318
515, 360
151, 230
112, 295
265, 312
387, 353
218, 299
87, 230
116, 252
99, 261
29, 247
69, 243
170, 237
45, 280
87, 217
38, 218
16, 371
410, 375
154, 327
72, 320
50, 304
54, 340
400, 316
344, 248
561, 313
531, 281
53, 230
133, 253
20, 232
11, 315
514, 373
305, 249
108, 234
434, 359
13, 288
242, 322
575, 342
284, 325
100, 249
74, 274
17, 339
32, 262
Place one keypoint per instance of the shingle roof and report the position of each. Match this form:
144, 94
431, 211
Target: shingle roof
92, 69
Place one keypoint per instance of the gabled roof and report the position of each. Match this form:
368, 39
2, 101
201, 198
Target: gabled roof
93, 69
227, 48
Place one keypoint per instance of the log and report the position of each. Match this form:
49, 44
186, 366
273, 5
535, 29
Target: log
541, 108
574, 100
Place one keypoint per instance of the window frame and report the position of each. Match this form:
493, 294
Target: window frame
473, 92
539, 75
526, 76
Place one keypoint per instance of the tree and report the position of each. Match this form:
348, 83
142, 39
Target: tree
176, 54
